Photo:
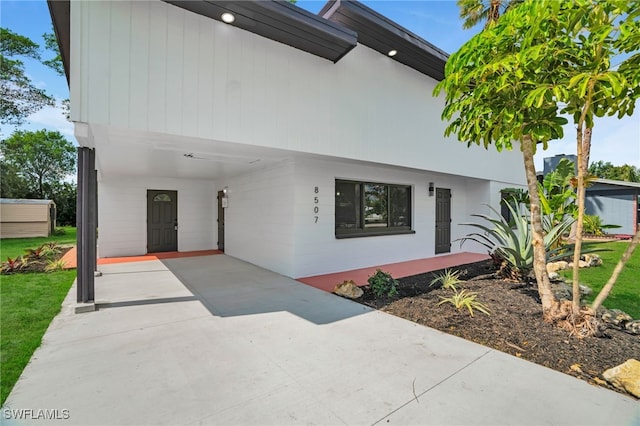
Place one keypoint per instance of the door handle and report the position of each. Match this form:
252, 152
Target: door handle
175, 225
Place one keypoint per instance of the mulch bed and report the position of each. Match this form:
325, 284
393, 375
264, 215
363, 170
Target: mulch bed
38, 264
515, 325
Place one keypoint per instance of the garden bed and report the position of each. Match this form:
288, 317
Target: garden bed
515, 325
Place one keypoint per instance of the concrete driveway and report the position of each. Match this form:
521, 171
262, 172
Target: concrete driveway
214, 340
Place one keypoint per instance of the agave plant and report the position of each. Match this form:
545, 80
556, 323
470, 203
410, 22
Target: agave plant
465, 299
511, 243
447, 279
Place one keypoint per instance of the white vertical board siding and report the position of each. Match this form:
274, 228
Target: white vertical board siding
156, 70
211, 80
122, 216
317, 251
259, 219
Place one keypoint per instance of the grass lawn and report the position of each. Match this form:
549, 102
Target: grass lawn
626, 293
28, 303
13, 247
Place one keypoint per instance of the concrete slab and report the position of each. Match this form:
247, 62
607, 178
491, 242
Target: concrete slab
213, 340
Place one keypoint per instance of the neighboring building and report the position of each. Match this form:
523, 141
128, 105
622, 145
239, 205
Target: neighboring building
550, 163
27, 218
292, 141
616, 203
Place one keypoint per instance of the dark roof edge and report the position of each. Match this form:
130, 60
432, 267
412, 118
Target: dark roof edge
60, 11
395, 27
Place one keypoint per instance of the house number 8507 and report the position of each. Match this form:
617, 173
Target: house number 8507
316, 209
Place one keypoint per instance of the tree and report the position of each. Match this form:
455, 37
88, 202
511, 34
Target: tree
486, 84
18, 96
475, 11
607, 170
12, 185
506, 85
55, 63
588, 35
43, 159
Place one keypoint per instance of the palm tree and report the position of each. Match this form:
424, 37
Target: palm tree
476, 11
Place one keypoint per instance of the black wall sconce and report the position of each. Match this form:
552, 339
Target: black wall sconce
431, 189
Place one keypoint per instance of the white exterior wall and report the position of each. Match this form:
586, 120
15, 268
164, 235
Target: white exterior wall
259, 220
122, 214
270, 219
151, 66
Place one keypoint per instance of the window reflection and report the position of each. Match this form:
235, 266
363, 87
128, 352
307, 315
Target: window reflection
366, 207
162, 198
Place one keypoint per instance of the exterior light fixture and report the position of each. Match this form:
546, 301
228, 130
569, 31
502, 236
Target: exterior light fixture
392, 52
225, 190
227, 17
431, 189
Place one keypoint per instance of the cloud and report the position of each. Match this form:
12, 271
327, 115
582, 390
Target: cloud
51, 118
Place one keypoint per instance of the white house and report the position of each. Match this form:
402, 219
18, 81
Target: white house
302, 143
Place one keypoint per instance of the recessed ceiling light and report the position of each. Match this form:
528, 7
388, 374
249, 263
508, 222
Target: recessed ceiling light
228, 17
392, 52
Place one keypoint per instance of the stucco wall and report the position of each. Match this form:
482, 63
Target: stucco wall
122, 216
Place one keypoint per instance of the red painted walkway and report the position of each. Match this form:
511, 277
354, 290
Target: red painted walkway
327, 282
70, 257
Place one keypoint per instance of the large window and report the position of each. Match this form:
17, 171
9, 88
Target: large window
366, 209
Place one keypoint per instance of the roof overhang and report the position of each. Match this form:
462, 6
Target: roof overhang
618, 183
60, 11
383, 35
282, 22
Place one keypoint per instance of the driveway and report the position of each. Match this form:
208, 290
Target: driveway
214, 340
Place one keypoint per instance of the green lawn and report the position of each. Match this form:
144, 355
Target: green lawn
13, 247
28, 303
626, 293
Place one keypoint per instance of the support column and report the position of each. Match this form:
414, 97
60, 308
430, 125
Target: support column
86, 222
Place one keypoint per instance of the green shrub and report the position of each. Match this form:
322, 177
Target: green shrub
448, 279
383, 284
59, 231
592, 225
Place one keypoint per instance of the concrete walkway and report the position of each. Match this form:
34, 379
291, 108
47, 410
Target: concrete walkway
213, 340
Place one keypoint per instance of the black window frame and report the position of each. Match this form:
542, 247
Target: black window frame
360, 228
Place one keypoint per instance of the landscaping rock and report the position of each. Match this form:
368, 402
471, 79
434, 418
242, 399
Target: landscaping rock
616, 317
633, 327
581, 264
625, 376
561, 290
348, 289
592, 259
554, 277
556, 266
585, 290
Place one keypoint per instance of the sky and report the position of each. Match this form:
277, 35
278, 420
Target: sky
613, 140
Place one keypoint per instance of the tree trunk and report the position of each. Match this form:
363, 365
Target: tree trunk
549, 302
604, 293
583, 150
493, 13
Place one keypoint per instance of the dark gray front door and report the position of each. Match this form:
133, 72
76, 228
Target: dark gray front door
162, 221
220, 221
443, 220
